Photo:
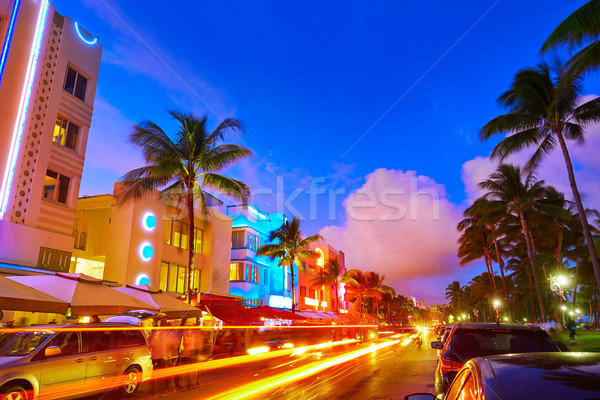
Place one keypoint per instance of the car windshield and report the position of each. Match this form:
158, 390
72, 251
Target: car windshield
21, 343
470, 343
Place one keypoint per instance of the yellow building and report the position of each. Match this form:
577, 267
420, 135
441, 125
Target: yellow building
146, 241
48, 73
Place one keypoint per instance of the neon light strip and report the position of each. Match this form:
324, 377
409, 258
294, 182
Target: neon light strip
9, 33
25, 95
91, 42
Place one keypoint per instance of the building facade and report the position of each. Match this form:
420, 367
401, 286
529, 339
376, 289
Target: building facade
145, 241
48, 75
259, 280
323, 297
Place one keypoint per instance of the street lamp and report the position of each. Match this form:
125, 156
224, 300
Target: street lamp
564, 308
496, 304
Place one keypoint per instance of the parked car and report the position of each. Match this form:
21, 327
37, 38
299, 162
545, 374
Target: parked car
48, 361
548, 376
467, 341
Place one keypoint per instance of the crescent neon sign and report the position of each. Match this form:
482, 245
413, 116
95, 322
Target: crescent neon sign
83, 37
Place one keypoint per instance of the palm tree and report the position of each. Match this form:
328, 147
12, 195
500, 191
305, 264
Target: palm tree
289, 247
543, 110
517, 197
183, 165
360, 285
580, 27
454, 293
330, 276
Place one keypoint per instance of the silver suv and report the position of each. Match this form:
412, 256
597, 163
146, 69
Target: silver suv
60, 361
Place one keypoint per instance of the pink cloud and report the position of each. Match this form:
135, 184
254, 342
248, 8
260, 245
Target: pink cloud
401, 225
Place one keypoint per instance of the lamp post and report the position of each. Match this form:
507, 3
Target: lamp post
557, 285
496, 303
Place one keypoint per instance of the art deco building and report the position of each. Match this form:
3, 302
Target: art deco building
48, 75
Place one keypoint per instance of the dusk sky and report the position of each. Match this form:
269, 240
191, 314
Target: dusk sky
382, 97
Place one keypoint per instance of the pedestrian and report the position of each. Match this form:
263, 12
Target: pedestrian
571, 328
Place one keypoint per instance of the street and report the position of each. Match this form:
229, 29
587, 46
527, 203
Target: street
390, 372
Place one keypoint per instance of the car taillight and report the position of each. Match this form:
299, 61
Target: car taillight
450, 365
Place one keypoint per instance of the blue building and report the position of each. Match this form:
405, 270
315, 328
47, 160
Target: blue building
259, 280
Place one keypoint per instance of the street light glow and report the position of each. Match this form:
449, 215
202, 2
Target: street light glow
577, 311
562, 280
496, 303
564, 308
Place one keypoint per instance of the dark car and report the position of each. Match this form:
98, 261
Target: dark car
467, 341
573, 376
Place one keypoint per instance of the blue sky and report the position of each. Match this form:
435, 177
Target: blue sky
308, 80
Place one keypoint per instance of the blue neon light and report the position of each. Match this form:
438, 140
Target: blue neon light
142, 279
9, 33
149, 221
23, 107
146, 251
83, 37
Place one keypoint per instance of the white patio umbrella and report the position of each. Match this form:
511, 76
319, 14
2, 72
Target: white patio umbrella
86, 295
16, 296
168, 305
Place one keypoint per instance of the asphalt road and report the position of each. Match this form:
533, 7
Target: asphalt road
388, 373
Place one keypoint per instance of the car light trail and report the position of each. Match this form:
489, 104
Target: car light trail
105, 383
270, 383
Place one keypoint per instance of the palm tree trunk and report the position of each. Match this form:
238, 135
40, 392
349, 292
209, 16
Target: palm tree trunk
191, 243
531, 299
293, 291
575, 281
488, 263
337, 299
580, 210
501, 266
532, 262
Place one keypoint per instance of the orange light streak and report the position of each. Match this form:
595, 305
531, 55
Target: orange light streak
105, 383
83, 328
270, 383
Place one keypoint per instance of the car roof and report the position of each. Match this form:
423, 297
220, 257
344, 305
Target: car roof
492, 325
564, 375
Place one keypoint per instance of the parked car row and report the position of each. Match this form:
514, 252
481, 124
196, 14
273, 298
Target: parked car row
501, 361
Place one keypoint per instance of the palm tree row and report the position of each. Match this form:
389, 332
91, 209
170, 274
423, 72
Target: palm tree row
519, 222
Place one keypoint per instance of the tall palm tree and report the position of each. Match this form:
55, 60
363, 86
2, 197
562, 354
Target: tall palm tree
183, 165
518, 197
289, 247
359, 285
543, 110
583, 26
330, 276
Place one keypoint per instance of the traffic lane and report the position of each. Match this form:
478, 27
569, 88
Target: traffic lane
386, 374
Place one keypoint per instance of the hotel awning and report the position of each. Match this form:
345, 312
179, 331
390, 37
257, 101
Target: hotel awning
270, 312
16, 296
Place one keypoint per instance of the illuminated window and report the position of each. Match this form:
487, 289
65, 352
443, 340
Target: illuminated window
236, 271
56, 187
173, 278
66, 133
252, 273
176, 234
311, 270
75, 83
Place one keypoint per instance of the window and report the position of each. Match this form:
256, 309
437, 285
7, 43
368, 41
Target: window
236, 271
312, 293
66, 133
253, 242
173, 278
252, 273
311, 269
68, 343
302, 291
237, 239
56, 187
176, 234
265, 276
75, 83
